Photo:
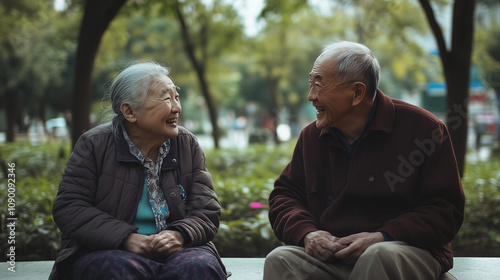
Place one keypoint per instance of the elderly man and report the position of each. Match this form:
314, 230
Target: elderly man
372, 190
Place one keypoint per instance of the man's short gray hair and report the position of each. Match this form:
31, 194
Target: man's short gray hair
355, 62
131, 86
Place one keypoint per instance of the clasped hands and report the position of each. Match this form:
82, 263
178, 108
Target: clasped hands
324, 246
156, 246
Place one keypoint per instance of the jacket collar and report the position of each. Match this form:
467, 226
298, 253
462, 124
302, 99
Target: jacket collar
385, 115
171, 161
123, 154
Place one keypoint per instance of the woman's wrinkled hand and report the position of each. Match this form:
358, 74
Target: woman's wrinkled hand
166, 243
139, 244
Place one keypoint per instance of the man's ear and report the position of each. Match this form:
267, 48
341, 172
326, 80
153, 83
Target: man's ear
128, 112
359, 93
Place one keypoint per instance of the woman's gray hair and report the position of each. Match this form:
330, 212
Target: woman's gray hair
355, 62
131, 86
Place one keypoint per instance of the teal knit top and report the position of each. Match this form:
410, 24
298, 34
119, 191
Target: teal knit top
145, 219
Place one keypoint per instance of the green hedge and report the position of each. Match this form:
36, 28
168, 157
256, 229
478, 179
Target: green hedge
480, 233
38, 170
241, 177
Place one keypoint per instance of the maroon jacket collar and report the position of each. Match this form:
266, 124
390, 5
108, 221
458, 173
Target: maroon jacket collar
386, 113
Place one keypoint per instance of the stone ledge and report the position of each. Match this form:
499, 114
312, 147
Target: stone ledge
251, 269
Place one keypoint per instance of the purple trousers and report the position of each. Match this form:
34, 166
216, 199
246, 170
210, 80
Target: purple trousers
188, 263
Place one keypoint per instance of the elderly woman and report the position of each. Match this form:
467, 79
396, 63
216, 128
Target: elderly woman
136, 200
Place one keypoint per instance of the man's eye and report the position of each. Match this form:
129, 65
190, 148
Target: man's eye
315, 84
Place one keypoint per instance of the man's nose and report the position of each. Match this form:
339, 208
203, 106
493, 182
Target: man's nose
312, 95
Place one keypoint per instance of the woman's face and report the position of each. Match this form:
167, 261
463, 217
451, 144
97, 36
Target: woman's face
158, 117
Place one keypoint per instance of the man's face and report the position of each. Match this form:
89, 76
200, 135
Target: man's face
331, 97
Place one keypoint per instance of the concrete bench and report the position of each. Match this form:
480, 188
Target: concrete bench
251, 269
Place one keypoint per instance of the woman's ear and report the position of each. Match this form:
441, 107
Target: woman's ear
359, 93
128, 112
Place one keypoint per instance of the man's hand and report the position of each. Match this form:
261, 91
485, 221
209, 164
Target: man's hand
166, 243
139, 244
321, 244
356, 245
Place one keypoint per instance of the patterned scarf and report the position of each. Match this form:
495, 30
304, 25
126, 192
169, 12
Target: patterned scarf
156, 197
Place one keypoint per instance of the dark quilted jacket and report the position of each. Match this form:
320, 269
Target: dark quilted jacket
102, 185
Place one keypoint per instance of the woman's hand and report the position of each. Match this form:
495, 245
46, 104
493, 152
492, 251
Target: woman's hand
166, 243
139, 244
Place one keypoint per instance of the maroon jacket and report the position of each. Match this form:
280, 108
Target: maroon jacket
401, 179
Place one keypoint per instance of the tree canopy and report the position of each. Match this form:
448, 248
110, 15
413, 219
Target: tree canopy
220, 69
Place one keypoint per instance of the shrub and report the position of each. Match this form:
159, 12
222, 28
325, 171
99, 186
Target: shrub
480, 233
38, 170
242, 178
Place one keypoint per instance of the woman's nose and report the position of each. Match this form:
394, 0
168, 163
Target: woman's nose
176, 106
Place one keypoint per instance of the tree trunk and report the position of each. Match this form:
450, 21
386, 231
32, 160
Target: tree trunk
11, 93
458, 75
212, 108
98, 14
199, 68
11, 109
456, 67
273, 84
3, 166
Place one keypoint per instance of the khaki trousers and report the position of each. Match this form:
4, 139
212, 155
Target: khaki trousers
385, 260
